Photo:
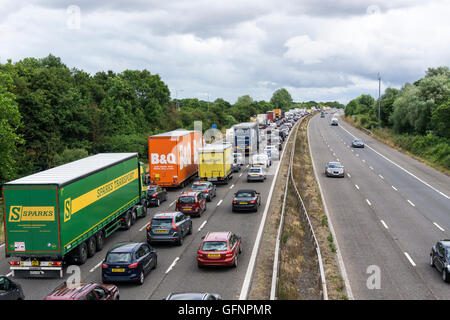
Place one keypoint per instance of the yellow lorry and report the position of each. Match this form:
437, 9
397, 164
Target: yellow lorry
215, 162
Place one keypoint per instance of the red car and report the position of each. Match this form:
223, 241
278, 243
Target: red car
85, 291
191, 203
219, 249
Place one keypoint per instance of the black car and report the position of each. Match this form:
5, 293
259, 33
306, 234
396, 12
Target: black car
357, 143
193, 296
207, 188
156, 195
440, 258
10, 290
128, 261
245, 200
171, 226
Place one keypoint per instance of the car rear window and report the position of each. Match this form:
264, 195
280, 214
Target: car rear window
254, 170
186, 200
214, 246
161, 222
245, 194
199, 187
117, 257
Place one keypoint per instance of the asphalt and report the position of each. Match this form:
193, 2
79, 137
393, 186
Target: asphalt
177, 269
387, 212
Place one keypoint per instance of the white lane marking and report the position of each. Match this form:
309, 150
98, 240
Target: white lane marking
357, 155
337, 159
232, 186
363, 160
384, 224
356, 186
9, 274
394, 188
1, 245
348, 174
410, 202
368, 202
353, 150
172, 265
381, 176
171, 204
219, 202
438, 226
144, 226
203, 224
409, 258
240, 175
371, 168
425, 183
98, 265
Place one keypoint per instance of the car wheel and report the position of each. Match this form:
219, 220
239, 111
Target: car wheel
190, 229
158, 202
235, 263
141, 278
445, 275
180, 241
431, 261
240, 249
156, 263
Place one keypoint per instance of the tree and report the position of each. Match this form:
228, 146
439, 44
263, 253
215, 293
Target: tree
282, 99
440, 120
387, 105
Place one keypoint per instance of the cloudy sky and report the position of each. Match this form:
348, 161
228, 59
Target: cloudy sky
317, 49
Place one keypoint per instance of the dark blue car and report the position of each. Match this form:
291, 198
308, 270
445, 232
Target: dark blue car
129, 261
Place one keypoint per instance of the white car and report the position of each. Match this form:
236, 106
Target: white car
273, 151
260, 159
334, 169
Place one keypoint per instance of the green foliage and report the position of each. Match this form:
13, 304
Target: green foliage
282, 99
69, 155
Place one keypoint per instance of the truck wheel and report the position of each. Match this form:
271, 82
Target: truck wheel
144, 208
127, 222
82, 254
91, 246
133, 216
100, 240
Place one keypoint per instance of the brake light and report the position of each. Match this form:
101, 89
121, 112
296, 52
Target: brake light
207, 191
174, 226
133, 265
14, 263
228, 254
149, 224
104, 265
56, 263
253, 201
234, 201
155, 195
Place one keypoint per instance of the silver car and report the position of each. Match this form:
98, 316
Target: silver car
256, 174
334, 169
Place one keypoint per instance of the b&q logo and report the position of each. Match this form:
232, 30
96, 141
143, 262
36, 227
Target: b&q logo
20, 213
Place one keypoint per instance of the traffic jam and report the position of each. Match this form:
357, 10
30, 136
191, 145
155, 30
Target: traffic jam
64, 216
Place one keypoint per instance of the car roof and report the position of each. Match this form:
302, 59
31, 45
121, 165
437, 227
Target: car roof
217, 236
63, 292
189, 194
446, 242
187, 295
125, 247
334, 162
201, 182
246, 190
165, 214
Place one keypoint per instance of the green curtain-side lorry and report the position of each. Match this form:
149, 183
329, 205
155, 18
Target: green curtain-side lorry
65, 213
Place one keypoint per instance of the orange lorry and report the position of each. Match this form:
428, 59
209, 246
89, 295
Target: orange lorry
277, 112
173, 157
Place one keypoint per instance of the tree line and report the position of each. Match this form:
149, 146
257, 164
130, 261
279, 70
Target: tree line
418, 114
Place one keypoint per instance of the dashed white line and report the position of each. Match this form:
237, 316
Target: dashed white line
363, 160
410, 202
232, 186
172, 265
438, 226
356, 186
409, 258
98, 265
368, 202
357, 155
219, 202
171, 204
371, 168
394, 188
348, 174
381, 176
384, 224
240, 175
9, 274
203, 224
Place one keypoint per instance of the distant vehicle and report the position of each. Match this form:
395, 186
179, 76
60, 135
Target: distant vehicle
169, 226
274, 152
156, 195
207, 188
334, 122
256, 173
246, 200
357, 143
191, 203
219, 249
440, 258
262, 120
261, 159
322, 115
215, 163
334, 169
270, 116
85, 291
239, 157
235, 167
10, 290
193, 296
129, 261
246, 138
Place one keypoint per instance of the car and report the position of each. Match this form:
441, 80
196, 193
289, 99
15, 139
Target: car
334, 122
274, 152
357, 143
261, 159
191, 203
84, 291
156, 195
239, 157
193, 296
334, 169
236, 167
256, 173
440, 258
169, 226
207, 188
219, 249
10, 290
322, 115
246, 199
128, 262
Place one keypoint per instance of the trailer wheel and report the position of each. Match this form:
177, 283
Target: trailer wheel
144, 208
100, 240
82, 254
133, 216
91, 246
127, 222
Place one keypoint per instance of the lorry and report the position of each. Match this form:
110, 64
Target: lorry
262, 120
64, 214
270, 116
216, 163
246, 138
278, 113
173, 157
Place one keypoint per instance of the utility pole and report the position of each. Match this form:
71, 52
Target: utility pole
176, 95
379, 101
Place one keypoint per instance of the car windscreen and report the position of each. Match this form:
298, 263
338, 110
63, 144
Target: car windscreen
118, 257
245, 195
167, 222
214, 246
199, 187
186, 200
334, 165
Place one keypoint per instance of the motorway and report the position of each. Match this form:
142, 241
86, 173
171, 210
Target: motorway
387, 213
177, 269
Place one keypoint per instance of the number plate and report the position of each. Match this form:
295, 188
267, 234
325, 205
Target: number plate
161, 231
214, 255
187, 209
118, 270
243, 202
